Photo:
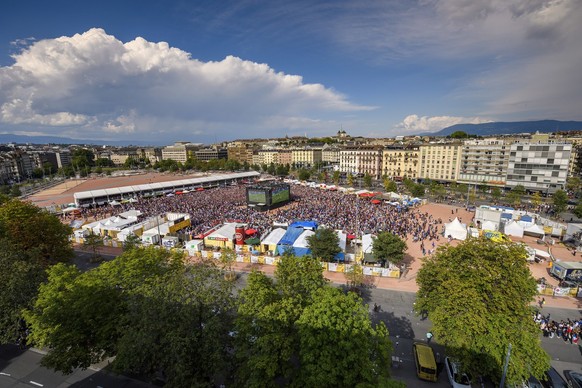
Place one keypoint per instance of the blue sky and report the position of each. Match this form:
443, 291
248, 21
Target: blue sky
208, 71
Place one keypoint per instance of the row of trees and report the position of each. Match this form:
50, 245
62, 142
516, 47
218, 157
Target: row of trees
159, 316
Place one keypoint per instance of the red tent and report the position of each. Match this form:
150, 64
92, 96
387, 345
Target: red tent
200, 189
250, 232
351, 236
179, 193
367, 195
375, 201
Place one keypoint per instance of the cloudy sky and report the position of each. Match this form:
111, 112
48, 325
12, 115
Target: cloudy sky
206, 71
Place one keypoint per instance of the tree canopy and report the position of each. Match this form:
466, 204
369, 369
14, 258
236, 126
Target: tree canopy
324, 244
147, 308
560, 200
388, 247
477, 296
296, 330
32, 240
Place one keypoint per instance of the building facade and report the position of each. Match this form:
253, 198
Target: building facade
440, 162
361, 160
305, 156
240, 153
180, 151
484, 162
539, 166
211, 153
401, 163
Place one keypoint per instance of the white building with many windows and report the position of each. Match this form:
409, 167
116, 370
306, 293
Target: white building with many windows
361, 160
484, 162
440, 161
539, 166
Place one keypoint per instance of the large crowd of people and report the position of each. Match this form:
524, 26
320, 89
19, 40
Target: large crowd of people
332, 209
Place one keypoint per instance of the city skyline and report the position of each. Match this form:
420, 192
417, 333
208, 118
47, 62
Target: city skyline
208, 72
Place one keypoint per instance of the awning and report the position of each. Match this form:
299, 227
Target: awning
179, 192
252, 241
200, 189
375, 201
250, 232
351, 236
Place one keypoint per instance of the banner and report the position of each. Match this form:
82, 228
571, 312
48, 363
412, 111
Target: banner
332, 267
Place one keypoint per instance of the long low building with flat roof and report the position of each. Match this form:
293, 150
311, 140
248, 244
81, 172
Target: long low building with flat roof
103, 196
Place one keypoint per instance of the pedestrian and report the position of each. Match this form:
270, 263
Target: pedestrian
542, 302
428, 337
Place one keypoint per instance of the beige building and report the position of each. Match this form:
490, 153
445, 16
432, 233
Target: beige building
305, 156
440, 162
120, 156
361, 160
269, 156
153, 154
241, 153
181, 151
330, 154
285, 157
401, 163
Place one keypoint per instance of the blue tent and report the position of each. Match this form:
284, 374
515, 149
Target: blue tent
506, 216
526, 219
288, 239
304, 224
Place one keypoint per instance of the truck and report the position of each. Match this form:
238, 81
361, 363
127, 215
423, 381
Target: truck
567, 270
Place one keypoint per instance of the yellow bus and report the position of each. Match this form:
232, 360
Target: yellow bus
426, 368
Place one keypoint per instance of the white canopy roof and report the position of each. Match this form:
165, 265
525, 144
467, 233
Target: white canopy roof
456, 230
367, 243
274, 237
535, 230
301, 241
489, 225
225, 231
343, 237
513, 228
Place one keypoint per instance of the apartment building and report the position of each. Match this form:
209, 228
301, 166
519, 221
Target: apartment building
285, 157
181, 151
119, 157
305, 156
361, 160
153, 154
268, 156
242, 153
400, 163
484, 162
211, 153
330, 154
539, 166
440, 161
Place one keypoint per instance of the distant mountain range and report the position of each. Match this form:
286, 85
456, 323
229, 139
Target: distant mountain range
21, 139
501, 128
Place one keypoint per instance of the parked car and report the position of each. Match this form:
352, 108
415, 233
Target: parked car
456, 377
552, 379
574, 378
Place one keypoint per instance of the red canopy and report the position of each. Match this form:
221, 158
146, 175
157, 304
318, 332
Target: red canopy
200, 189
179, 193
249, 232
375, 201
367, 195
351, 236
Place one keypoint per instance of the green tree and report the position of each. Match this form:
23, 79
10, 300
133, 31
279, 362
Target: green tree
367, 181
573, 184
578, 210
227, 259
15, 191
131, 241
458, 135
355, 276
496, 194
350, 180
388, 247
82, 158
93, 242
439, 191
417, 190
560, 200
336, 177
536, 199
390, 185
346, 330
28, 228
481, 306
324, 244
304, 174
516, 194
146, 308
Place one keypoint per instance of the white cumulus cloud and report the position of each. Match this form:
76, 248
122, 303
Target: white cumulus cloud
414, 124
92, 85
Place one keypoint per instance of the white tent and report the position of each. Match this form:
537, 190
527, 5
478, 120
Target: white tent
456, 230
367, 243
534, 230
270, 242
342, 237
489, 225
513, 228
301, 245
